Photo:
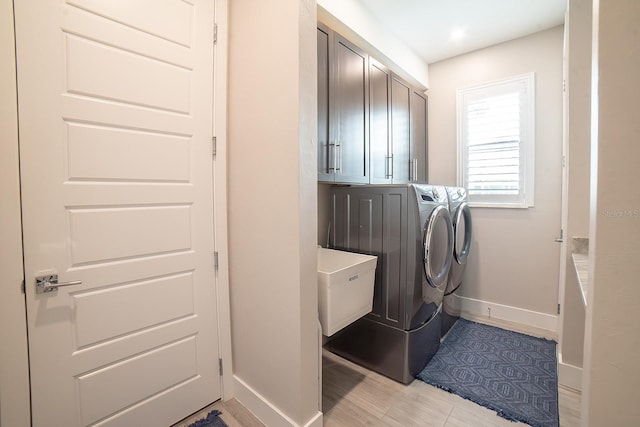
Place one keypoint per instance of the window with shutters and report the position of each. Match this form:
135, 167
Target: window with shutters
496, 142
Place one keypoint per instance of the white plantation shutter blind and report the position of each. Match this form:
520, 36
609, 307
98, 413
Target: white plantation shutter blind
495, 142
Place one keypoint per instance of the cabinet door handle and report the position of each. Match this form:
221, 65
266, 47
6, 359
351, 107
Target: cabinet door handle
338, 157
414, 169
388, 162
332, 157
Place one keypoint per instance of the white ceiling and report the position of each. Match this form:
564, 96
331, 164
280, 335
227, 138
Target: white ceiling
425, 26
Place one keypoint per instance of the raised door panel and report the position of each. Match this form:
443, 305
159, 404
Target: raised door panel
394, 238
400, 108
367, 221
350, 112
339, 227
419, 137
115, 116
325, 159
374, 221
379, 123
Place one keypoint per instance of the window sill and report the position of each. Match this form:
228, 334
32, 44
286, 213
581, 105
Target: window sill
499, 205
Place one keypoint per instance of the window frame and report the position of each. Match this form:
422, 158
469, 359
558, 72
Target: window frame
525, 197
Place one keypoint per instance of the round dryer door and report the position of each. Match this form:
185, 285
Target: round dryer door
462, 233
438, 247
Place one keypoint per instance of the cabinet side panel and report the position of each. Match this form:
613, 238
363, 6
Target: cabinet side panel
323, 106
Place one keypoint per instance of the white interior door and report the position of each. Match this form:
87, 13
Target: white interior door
115, 112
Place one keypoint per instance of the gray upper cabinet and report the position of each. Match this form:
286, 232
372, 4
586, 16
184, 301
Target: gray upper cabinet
390, 124
380, 149
419, 141
371, 123
343, 104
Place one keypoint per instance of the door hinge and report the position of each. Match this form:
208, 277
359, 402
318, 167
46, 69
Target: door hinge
564, 85
215, 260
558, 308
215, 33
220, 369
23, 287
214, 146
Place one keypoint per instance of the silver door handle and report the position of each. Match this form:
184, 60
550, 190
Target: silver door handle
332, 164
49, 283
389, 167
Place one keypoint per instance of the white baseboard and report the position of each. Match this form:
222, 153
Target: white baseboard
264, 410
316, 421
532, 322
569, 375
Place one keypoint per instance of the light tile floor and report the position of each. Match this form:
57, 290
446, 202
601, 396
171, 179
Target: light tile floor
355, 396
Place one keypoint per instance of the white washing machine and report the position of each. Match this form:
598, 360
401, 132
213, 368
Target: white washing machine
462, 227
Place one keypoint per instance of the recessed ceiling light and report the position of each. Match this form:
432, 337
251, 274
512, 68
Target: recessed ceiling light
457, 34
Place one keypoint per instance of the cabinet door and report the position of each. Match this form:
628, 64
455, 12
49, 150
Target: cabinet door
373, 220
401, 137
350, 115
325, 162
379, 123
419, 137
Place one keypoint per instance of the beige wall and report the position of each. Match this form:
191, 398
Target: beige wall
578, 169
272, 203
579, 110
14, 379
611, 375
515, 260
352, 19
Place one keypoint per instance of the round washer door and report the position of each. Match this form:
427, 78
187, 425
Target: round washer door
438, 246
462, 233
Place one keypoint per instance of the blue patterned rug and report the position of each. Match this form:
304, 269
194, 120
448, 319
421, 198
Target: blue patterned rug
508, 372
212, 420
